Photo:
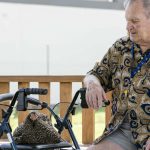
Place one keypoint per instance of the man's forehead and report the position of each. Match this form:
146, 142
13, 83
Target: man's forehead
137, 4
135, 10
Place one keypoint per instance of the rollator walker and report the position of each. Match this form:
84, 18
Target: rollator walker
22, 99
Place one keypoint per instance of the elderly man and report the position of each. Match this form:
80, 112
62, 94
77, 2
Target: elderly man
125, 70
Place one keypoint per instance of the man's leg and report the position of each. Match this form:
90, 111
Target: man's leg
105, 145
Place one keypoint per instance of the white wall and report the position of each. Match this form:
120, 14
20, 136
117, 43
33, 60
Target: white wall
77, 38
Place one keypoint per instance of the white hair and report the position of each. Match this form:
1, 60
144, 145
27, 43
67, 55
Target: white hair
146, 5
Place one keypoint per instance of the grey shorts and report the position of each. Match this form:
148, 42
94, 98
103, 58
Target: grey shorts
122, 136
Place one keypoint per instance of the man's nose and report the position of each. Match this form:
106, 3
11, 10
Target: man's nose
129, 26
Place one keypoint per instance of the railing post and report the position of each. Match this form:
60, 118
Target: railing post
45, 98
4, 88
88, 126
65, 97
22, 114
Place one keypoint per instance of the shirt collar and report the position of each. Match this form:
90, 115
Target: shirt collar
137, 48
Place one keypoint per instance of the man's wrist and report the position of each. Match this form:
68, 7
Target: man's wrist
90, 79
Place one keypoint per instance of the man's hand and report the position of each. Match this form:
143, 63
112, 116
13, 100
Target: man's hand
94, 92
147, 145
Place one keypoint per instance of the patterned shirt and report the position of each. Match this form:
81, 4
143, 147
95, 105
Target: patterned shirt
130, 96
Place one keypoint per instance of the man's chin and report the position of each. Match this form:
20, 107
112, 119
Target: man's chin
133, 39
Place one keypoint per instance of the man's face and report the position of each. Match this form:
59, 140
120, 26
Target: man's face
138, 24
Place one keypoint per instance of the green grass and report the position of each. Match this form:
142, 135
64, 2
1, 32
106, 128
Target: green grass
76, 122
14, 120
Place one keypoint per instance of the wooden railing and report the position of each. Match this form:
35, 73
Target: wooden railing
65, 84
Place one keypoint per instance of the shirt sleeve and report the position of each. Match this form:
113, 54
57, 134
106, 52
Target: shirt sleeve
104, 69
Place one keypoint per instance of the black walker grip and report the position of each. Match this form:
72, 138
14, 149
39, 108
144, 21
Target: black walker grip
39, 91
83, 99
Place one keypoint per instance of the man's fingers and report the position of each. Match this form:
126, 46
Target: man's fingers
104, 95
99, 100
88, 99
95, 101
147, 147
